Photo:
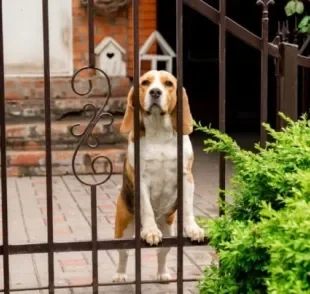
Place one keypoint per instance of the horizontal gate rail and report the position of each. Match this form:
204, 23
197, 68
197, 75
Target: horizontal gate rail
239, 31
107, 244
231, 26
143, 282
304, 61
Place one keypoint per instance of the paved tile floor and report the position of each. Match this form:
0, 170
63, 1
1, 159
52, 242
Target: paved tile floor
27, 224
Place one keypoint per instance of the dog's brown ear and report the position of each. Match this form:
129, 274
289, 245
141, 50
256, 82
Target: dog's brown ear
187, 116
127, 124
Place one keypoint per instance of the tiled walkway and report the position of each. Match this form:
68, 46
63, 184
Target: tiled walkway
27, 224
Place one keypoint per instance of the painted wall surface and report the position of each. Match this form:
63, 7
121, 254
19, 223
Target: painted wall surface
23, 37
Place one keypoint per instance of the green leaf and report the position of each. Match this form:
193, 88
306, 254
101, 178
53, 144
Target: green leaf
300, 7
304, 21
290, 8
304, 29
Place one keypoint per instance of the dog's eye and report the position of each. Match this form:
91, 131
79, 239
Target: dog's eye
145, 83
168, 84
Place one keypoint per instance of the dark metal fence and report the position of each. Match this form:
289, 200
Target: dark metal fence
287, 60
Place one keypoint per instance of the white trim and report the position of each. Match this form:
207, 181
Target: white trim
154, 64
169, 65
106, 42
154, 60
157, 57
164, 46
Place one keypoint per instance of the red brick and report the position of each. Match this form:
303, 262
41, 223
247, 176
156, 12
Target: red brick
107, 207
62, 231
29, 158
79, 281
32, 145
57, 220
11, 95
39, 84
76, 262
110, 219
16, 131
44, 209
9, 84
13, 171
22, 163
149, 257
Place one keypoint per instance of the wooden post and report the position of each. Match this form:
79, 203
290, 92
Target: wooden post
305, 90
288, 103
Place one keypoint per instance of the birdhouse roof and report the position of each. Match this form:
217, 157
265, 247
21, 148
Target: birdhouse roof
105, 42
157, 37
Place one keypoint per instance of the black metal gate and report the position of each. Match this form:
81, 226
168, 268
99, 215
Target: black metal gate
225, 24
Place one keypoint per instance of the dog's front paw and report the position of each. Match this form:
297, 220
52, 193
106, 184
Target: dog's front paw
164, 277
119, 277
194, 232
152, 235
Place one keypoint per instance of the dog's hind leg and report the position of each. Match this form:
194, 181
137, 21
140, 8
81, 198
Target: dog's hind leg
166, 226
124, 229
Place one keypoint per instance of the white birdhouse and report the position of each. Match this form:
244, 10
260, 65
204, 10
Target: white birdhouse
110, 57
167, 56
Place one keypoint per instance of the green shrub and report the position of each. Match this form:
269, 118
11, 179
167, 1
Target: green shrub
286, 236
263, 241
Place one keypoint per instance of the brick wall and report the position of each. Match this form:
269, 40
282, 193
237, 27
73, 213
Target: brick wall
119, 26
147, 24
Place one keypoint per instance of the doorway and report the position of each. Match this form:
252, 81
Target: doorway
200, 65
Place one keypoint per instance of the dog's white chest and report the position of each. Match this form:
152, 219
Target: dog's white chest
159, 173
158, 166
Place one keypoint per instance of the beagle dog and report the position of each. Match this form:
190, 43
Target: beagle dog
158, 169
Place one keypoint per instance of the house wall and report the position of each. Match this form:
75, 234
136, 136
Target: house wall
118, 26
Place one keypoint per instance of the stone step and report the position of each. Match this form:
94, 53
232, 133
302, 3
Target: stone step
23, 110
31, 136
32, 163
25, 96
21, 88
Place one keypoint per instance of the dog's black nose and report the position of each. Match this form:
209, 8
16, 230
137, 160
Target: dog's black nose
156, 93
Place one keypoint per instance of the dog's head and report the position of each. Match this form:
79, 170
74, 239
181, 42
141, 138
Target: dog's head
158, 95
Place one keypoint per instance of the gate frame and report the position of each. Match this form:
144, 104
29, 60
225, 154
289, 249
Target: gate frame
288, 79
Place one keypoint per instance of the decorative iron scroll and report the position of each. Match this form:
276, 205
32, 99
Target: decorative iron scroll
86, 136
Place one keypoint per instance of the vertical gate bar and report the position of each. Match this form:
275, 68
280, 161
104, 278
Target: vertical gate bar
264, 70
179, 33
136, 68
93, 189
4, 191
94, 234
91, 35
222, 95
48, 146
